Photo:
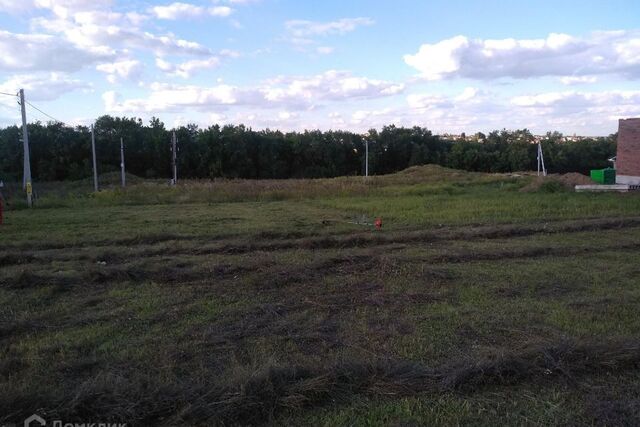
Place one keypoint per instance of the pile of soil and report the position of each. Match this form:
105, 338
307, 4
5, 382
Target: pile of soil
572, 179
567, 180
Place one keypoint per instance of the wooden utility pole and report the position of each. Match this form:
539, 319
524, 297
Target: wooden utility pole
26, 184
124, 182
95, 166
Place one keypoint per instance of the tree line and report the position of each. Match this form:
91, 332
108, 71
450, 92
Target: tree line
60, 152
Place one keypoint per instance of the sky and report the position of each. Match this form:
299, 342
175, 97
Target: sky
451, 66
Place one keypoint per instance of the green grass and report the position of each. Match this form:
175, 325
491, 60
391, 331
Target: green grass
264, 302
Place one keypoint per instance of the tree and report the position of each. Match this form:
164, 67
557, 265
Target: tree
60, 152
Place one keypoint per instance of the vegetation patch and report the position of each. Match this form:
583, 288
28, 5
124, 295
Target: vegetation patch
480, 304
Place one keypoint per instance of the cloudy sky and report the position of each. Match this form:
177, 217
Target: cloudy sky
449, 65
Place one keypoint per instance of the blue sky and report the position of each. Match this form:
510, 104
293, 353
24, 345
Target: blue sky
450, 66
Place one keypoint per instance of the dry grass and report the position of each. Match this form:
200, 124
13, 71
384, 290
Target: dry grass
264, 393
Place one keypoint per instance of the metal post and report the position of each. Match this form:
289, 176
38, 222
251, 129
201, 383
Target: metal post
174, 165
366, 157
27, 185
124, 183
95, 167
538, 158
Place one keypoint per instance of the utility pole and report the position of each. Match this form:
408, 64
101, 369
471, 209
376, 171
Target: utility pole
27, 185
124, 182
174, 164
366, 157
95, 167
541, 161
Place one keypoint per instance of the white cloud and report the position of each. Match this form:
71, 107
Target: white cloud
302, 33
73, 5
177, 11
473, 110
470, 110
43, 86
220, 11
165, 97
58, 7
437, 60
428, 101
303, 29
290, 92
33, 52
217, 118
575, 80
180, 10
230, 53
286, 115
467, 94
582, 100
364, 116
13, 6
128, 69
324, 50
558, 55
136, 19
579, 109
188, 68
331, 85
237, 1
99, 31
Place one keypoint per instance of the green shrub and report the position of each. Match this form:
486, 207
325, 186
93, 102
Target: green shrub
552, 187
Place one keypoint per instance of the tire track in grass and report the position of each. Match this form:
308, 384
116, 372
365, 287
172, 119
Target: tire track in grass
358, 240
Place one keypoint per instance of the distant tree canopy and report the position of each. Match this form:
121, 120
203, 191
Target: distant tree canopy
60, 152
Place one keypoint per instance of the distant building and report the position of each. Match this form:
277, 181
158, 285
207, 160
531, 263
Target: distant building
628, 157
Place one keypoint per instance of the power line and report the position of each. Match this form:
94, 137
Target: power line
48, 115
34, 115
35, 108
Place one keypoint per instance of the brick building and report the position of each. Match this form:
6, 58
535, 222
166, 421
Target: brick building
628, 157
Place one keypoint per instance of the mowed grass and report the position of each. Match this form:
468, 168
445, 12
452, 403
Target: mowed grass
275, 303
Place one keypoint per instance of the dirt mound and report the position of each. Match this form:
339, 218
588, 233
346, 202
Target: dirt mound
572, 179
557, 181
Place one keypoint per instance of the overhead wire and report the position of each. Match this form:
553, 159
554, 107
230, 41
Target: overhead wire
46, 114
34, 107
36, 115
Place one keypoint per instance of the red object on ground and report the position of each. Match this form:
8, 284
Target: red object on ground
378, 223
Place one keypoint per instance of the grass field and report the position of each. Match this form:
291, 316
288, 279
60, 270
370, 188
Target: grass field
271, 302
